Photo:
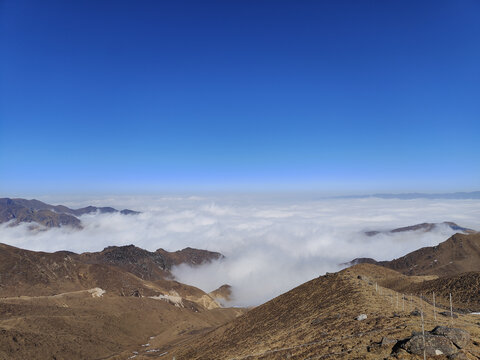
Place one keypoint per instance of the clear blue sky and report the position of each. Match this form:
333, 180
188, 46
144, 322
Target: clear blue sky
331, 96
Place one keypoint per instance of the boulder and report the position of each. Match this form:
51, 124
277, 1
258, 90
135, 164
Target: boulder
457, 336
434, 345
447, 314
387, 341
415, 312
458, 356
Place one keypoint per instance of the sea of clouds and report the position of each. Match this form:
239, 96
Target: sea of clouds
271, 244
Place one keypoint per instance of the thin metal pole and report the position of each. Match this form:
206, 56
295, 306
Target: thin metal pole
423, 327
403, 302
423, 336
451, 309
434, 309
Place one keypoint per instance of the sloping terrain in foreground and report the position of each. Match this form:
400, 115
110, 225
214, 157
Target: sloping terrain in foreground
318, 320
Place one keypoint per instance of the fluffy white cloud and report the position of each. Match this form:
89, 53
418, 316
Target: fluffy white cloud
271, 245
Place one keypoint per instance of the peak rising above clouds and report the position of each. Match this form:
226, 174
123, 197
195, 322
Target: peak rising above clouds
270, 244
35, 212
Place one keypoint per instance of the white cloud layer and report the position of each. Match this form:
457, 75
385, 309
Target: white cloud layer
271, 245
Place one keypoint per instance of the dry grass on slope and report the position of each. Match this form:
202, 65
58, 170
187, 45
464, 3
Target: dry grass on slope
317, 320
79, 326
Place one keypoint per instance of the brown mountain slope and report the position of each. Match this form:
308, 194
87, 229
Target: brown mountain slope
463, 287
148, 265
465, 290
52, 305
222, 294
79, 326
24, 272
460, 253
317, 320
189, 256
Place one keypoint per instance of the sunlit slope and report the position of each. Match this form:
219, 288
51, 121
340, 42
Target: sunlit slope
460, 253
318, 320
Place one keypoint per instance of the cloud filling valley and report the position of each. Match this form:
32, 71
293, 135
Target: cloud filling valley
270, 244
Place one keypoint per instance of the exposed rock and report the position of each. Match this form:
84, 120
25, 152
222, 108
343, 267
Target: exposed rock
434, 345
458, 336
361, 317
387, 341
189, 256
458, 356
415, 312
447, 313
146, 264
441, 340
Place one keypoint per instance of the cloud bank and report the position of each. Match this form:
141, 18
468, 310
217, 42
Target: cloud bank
271, 244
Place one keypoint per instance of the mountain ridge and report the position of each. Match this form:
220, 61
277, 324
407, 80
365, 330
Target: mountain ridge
459, 253
17, 210
425, 227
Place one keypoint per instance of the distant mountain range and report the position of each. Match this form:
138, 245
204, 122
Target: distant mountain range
424, 227
35, 211
409, 196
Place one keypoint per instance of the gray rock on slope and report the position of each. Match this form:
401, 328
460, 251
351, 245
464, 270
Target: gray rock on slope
457, 336
441, 340
434, 345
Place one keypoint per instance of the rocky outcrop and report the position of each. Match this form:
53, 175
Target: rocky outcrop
142, 263
149, 265
459, 337
189, 256
441, 340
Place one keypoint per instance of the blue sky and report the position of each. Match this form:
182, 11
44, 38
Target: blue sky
327, 96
